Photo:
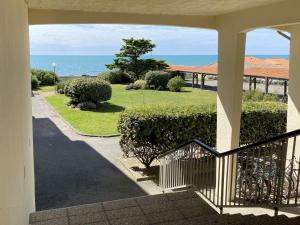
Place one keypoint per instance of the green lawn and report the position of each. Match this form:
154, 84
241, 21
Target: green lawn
104, 121
46, 88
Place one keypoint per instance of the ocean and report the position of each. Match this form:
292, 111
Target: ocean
70, 65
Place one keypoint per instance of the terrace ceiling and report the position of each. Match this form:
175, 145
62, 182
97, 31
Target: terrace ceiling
151, 7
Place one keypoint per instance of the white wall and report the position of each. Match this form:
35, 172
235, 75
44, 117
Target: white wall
16, 155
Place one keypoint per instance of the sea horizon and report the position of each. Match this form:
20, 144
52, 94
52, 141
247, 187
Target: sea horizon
74, 65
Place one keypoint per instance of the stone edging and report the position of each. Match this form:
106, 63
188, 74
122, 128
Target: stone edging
69, 125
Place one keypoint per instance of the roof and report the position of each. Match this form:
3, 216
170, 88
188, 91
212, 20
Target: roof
272, 68
151, 7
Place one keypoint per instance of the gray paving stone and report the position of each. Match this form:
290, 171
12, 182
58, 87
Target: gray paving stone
197, 211
47, 215
119, 204
83, 209
158, 207
164, 217
136, 220
182, 195
190, 203
124, 213
154, 199
57, 221
87, 218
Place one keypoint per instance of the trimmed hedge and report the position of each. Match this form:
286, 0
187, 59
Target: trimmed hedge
45, 77
115, 76
149, 131
88, 90
157, 79
34, 83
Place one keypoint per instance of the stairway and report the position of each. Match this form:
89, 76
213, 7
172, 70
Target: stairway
179, 208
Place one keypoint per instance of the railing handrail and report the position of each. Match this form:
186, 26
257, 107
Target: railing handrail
235, 150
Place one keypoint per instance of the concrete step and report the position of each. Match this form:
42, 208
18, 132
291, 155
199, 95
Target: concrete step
180, 208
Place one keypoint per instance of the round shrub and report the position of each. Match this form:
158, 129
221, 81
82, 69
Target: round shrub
60, 87
67, 88
89, 90
39, 74
140, 83
157, 78
176, 84
50, 78
34, 83
115, 76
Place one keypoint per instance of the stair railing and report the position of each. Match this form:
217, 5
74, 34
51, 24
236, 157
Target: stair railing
266, 173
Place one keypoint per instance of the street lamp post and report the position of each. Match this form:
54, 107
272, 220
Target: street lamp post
54, 65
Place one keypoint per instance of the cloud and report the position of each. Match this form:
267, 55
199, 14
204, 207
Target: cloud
107, 39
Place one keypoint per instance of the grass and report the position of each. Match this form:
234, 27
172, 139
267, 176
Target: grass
104, 120
46, 88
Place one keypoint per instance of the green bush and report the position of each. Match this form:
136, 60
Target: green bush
176, 84
89, 90
157, 78
50, 78
60, 86
115, 76
132, 87
34, 83
45, 77
149, 131
257, 96
140, 83
177, 74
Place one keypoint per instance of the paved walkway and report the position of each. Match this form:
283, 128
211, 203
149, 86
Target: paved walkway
71, 169
182, 208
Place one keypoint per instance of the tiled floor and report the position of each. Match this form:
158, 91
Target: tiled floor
181, 208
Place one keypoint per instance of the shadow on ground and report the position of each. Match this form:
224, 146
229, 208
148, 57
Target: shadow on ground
206, 87
70, 172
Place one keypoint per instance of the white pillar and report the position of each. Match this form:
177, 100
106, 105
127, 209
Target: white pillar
16, 155
293, 111
293, 115
231, 53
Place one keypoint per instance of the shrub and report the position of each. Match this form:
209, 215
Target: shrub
115, 76
149, 131
176, 84
60, 87
45, 77
132, 87
177, 74
157, 78
89, 90
67, 88
34, 83
50, 78
140, 83
258, 96
85, 106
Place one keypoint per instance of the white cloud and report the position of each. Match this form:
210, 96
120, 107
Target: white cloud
106, 39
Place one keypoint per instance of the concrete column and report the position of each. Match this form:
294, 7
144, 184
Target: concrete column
293, 111
293, 115
16, 155
231, 55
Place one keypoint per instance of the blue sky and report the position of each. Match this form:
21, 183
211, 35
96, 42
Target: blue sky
105, 39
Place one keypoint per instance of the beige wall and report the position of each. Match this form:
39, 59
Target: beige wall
16, 156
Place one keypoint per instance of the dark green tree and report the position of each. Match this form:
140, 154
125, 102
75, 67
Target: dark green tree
129, 58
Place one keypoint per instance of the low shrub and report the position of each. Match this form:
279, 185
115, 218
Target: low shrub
60, 86
149, 131
176, 84
45, 77
140, 83
258, 96
34, 83
87, 106
157, 78
50, 78
132, 87
115, 76
89, 90
177, 74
